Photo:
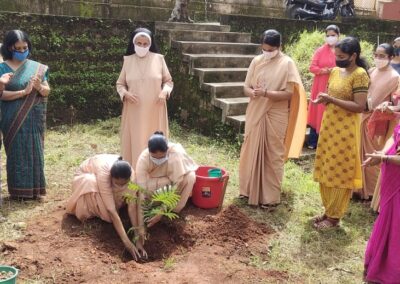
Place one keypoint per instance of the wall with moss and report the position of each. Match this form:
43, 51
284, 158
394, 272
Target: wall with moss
84, 56
370, 30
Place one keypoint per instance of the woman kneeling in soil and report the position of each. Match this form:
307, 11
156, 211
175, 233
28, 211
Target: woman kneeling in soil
98, 188
164, 163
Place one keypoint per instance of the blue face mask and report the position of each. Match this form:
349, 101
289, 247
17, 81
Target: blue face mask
20, 56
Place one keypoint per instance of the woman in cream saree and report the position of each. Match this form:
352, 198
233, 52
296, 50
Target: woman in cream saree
276, 114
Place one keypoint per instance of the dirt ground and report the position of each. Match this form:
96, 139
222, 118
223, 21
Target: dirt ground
203, 246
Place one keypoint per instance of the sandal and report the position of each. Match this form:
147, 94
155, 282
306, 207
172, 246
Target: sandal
326, 224
268, 206
318, 218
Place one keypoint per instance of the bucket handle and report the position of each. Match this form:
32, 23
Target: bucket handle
225, 179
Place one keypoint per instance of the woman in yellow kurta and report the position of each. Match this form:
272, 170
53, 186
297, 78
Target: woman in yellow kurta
144, 85
164, 163
98, 188
337, 162
275, 122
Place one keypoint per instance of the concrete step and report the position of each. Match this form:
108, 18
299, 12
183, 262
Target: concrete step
217, 60
236, 121
210, 36
214, 75
224, 90
193, 27
231, 106
216, 47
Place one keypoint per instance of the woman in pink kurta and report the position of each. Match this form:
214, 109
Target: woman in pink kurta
322, 63
382, 257
98, 191
144, 85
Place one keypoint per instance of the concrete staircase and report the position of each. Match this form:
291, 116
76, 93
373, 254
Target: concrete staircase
219, 58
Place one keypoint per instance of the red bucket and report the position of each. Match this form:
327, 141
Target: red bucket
208, 192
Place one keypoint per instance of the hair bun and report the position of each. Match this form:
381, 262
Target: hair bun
120, 158
159, 133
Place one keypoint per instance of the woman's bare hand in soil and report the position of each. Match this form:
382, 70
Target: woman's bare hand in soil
133, 251
142, 252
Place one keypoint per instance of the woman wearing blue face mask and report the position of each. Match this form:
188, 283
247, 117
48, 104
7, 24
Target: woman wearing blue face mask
164, 163
396, 59
23, 112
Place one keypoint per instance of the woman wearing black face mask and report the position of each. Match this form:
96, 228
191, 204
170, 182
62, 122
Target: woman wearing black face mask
396, 60
337, 163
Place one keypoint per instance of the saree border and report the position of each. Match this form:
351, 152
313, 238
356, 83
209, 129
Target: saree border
30, 100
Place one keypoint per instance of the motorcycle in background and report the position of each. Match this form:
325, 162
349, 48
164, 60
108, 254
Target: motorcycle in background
319, 9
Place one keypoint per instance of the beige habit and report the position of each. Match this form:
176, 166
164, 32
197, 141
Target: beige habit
94, 195
145, 77
179, 169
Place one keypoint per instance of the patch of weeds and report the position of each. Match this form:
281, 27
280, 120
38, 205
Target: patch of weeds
169, 263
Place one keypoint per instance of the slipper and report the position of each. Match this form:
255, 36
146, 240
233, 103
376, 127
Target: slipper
318, 218
326, 224
269, 206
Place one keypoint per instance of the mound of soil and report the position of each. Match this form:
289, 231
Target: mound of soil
202, 246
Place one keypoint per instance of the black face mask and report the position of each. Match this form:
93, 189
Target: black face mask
397, 51
343, 63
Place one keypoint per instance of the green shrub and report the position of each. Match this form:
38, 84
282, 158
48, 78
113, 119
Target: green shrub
302, 50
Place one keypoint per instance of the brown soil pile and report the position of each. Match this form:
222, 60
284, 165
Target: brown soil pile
203, 246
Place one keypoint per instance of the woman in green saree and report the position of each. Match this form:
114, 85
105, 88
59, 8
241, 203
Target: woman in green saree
23, 116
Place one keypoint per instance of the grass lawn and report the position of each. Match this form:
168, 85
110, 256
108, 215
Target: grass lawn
332, 256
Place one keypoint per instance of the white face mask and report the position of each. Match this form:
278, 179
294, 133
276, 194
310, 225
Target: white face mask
141, 51
270, 54
381, 63
159, 162
331, 40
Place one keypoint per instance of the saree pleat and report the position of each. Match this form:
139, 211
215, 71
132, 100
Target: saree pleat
382, 256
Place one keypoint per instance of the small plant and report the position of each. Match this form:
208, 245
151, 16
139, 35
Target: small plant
169, 263
160, 202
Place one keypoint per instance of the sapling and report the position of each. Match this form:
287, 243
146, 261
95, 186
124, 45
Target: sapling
159, 202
